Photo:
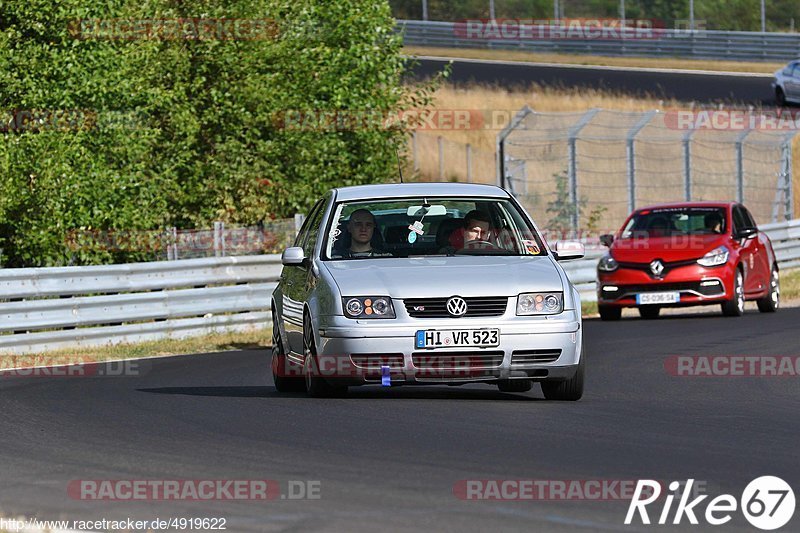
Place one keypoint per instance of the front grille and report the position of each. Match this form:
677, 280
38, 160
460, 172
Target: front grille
376, 361
645, 267
457, 360
437, 307
532, 357
628, 291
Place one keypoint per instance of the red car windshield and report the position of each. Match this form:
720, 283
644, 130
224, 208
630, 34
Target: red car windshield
664, 222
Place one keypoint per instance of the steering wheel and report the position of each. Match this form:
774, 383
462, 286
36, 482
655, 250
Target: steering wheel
479, 245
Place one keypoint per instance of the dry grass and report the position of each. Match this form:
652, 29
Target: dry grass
641, 62
218, 342
790, 285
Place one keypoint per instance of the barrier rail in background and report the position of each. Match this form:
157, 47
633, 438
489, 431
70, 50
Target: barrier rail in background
73, 307
697, 44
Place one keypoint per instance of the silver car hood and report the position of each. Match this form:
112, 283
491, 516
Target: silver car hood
445, 276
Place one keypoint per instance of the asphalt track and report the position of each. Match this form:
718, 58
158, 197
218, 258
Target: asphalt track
389, 458
685, 86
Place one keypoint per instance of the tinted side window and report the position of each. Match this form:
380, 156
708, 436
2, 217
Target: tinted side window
751, 222
739, 220
303, 233
313, 230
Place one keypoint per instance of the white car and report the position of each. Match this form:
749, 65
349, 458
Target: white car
425, 283
786, 84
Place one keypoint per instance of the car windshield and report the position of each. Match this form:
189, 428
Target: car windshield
665, 222
415, 227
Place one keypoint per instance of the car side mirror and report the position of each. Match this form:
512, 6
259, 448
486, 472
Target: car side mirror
607, 240
566, 250
294, 256
746, 233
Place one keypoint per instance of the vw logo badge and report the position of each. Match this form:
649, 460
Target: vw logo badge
456, 306
657, 268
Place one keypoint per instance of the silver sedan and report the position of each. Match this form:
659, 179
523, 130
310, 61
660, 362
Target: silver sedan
436, 283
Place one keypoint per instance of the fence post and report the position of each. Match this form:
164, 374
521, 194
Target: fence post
786, 173
175, 243
631, 157
572, 165
501, 143
414, 150
740, 164
440, 141
469, 163
217, 239
687, 164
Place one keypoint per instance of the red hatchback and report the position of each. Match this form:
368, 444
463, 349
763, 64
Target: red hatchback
692, 253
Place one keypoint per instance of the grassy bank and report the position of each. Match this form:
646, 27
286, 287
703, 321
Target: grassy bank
575, 59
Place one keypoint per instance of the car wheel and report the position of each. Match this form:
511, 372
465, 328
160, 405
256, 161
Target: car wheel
780, 97
514, 385
280, 365
316, 385
649, 312
735, 306
770, 303
608, 312
567, 390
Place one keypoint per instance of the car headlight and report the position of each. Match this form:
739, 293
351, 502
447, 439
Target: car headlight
540, 303
717, 256
368, 307
607, 264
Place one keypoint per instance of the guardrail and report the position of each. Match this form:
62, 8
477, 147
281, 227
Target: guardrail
73, 307
785, 238
700, 44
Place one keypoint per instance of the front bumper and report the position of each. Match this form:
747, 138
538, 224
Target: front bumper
696, 284
532, 348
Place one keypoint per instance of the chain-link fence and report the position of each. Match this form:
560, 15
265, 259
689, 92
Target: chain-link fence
588, 170
441, 159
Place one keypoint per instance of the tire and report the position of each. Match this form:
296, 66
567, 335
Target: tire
568, 390
283, 382
608, 312
649, 312
780, 97
735, 306
515, 385
771, 302
316, 385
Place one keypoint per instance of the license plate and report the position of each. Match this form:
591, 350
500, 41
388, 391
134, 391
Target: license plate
457, 338
658, 298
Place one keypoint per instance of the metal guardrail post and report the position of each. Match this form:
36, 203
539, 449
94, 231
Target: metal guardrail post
687, 164
469, 163
740, 164
631, 156
572, 165
440, 142
501, 143
786, 149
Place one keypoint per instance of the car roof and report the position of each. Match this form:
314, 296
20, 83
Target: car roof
399, 190
686, 204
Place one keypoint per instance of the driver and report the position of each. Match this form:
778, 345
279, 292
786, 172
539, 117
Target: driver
476, 229
361, 227
713, 222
